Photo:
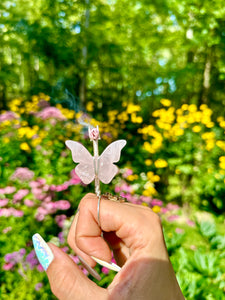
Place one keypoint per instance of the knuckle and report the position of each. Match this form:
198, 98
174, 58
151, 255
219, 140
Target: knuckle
86, 201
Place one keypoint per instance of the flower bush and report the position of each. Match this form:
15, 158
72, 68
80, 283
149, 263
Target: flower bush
174, 163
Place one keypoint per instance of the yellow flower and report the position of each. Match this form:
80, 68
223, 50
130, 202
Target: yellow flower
132, 177
196, 128
156, 209
222, 158
203, 106
161, 163
208, 135
177, 171
152, 177
131, 108
165, 102
192, 108
90, 106
221, 144
209, 124
6, 140
210, 144
136, 119
25, 147
122, 117
156, 113
150, 191
184, 107
36, 142
148, 162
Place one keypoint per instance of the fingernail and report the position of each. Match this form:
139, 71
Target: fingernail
43, 252
89, 268
110, 266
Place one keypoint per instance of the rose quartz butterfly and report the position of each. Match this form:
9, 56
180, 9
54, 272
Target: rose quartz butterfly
89, 167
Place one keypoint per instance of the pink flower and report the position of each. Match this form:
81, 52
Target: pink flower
7, 229
28, 203
171, 206
74, 175
17, 213
38, 286
20, 195
190, 223
94, 134
60, 220
8, 190
50, 112
126, 188
157, 202
8, 266
117, 189
75, 259
179, 230
172, 218
40, 268
8, 116
62, 204
4, 212
145, 199
3, 202
22, 174
105, 271
127, 173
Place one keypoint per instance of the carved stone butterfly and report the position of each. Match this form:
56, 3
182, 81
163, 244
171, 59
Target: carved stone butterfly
90, 167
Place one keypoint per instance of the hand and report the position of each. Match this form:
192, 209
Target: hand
134, 233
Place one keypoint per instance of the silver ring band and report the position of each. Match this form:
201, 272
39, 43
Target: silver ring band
98, 210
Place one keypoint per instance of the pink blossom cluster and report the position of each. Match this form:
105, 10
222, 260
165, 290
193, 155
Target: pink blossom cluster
28, 261
8, 116
22, 174
11, 259
50, 112
7, 212
20, 195
60, 220
4, 202
51, 207
7, 190
127, 172
62, 187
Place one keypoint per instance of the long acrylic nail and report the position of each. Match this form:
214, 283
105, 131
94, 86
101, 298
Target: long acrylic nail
110, 266
89, 268
43, 252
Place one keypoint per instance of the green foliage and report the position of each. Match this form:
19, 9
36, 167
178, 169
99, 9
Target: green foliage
178, 158
111, 51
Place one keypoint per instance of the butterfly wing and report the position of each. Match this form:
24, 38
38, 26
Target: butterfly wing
106, 169
85, 168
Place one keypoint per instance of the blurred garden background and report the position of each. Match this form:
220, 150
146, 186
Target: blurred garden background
150, 72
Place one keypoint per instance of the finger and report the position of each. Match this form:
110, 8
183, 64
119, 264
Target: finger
72, 244
67, 281
124, 220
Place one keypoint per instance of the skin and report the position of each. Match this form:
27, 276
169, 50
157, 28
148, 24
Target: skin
135, 235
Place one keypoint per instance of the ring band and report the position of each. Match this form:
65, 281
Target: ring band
98, 210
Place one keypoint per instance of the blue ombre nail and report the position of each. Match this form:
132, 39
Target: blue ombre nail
43, 252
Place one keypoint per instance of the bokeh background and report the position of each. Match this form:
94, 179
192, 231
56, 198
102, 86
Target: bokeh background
151, 72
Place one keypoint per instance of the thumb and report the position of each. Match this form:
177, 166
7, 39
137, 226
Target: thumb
67, 281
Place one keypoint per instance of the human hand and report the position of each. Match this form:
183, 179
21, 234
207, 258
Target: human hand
134, 233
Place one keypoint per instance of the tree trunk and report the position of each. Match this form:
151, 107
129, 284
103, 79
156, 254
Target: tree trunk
83, 86
206, 79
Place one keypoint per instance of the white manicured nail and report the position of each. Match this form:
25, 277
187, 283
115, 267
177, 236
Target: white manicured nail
110, 266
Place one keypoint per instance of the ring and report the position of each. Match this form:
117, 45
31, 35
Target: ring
98, 210
111, 197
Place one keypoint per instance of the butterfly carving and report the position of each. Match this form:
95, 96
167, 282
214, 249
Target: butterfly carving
90, 167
